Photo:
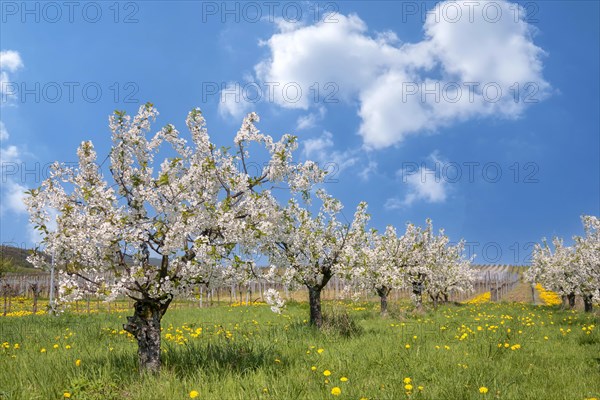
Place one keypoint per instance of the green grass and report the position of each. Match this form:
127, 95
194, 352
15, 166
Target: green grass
251, 353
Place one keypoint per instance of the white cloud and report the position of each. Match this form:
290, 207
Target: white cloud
233, 101
11, 192
10, 61
370, 169
310, 120
3, 132
425, 184
456, 59
9, 154
320, 149
13, 195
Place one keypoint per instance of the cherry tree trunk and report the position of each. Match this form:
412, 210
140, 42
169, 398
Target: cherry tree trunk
383, 299
144, 325
417, 291
316, 315
588, 304
565, 301
571, 297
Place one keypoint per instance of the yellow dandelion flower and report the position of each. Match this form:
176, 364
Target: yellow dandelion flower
483, 390
194, 394
407, 380
67, 395
408, 387
343, 379
42, 350
320, 351
313, 368
327, 372
407, 346
336, 391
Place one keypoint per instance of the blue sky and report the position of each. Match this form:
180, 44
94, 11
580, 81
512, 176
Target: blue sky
482, 115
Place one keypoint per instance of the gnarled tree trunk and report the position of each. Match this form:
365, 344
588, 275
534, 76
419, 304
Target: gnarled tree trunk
144, 325
588, 304
417, 290
314, 297
383, 293
571, 297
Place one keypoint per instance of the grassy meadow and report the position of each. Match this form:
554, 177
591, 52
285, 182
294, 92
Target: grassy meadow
480, 350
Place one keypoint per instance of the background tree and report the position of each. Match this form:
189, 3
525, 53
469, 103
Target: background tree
381, 263
311, 249
192, 210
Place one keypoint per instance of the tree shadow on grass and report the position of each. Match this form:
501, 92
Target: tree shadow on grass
220, 357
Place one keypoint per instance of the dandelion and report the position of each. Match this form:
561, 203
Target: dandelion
320, 351
77, 362
327, 372
336, 391
343, 379
313, 368
407, 346
420, 387
55, 346
408, 387
67, 395
194, 394
483, 390
407, 381
42, 350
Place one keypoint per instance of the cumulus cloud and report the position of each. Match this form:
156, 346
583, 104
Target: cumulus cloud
234, 101
10, 61
310, 120
423, 184
320, 149
479, 65
3, 132
12, 192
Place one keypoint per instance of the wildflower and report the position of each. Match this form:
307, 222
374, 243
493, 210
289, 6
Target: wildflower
327, 372
336, 391
77, 362
407, 346
17, 346
483, 390
408, 387
343, 379
420, 387
67, 395
407, 380
67, 347
313, 368
55, 346
320, 351
194, 394
42, 350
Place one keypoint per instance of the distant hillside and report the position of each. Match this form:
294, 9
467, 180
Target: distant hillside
15, 259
